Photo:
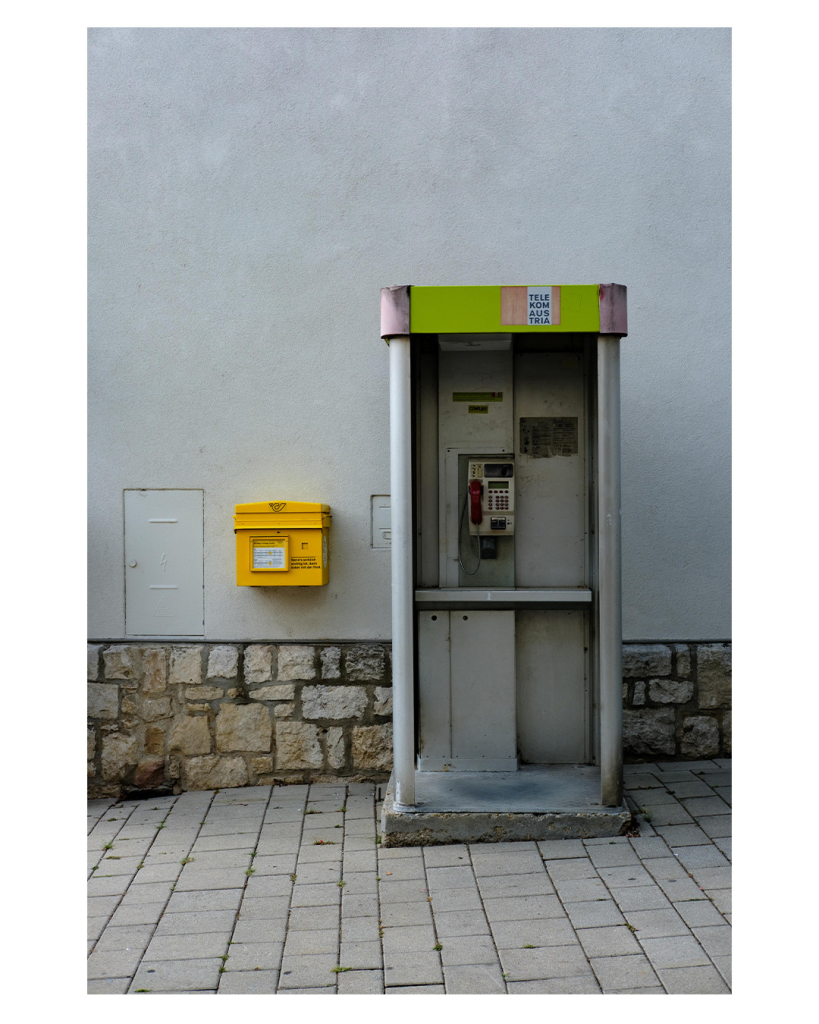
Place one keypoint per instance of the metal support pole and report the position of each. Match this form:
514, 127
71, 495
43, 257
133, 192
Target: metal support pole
610, 623
402, 594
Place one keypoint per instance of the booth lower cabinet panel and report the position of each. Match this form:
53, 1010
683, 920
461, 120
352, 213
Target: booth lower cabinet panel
551, 661
467, 690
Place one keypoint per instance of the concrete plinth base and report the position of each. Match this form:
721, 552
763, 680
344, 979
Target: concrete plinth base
537, 802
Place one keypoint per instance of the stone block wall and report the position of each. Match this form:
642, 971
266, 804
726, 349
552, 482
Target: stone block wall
676, 701
208, 716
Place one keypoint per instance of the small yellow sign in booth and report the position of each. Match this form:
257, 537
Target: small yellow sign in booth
282, 544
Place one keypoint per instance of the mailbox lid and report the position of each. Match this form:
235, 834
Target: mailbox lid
278, 515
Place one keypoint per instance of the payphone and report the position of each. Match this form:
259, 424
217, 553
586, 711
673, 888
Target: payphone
505, 542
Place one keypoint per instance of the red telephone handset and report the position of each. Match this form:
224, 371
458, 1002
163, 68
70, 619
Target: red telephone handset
475, 510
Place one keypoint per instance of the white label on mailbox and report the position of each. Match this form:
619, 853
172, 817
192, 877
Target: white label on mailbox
539, 306
272, 557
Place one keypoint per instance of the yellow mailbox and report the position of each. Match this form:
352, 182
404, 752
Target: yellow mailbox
282, 544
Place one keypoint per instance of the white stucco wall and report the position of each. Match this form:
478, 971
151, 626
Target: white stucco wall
251, 190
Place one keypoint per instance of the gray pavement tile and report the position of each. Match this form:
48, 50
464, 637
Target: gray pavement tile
187, 946
279, 864
326, 990
466, 950
196, 922
706, 856
324, 823
361, 883
413, 990
723, 965
260, 983
686, 790
153, 892
400, 852
654, 798
308, 942
271, 929
515, 885
321, 852
721, 898
446, 856
267, 885
197, 902
95, 927
210, 860
706, 806
417, 968
517, 864
715, 939
361, 956
108, 986
667, 814
157, 873
704, 765
586, 985
581, 890
682, 835
408, 914
594, 914
615, 855
546, 962
664, 868
114, 886
115, 963
408, 938
652, 924
248, 956
358, 906
712, 878
403, 870
473, 979
677, 889
518, 907
318, 873
703, 980
724, 793
177, 976
461, 922
554, 849
640, 780
644, 897
561, 870
532, 931
360, 929
139, 913
275, 815
699, 913
675, 951
359, 860
111, 864
411, 891
724, 845
308, 971
221, 828
361, 983
102, 906
273, 847
134, 936
647, 847
359, 842
620, 973
313, 918
615, 940
326, 894
451, 878
199, 879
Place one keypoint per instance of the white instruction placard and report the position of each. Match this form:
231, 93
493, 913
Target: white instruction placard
269, 554
539, 306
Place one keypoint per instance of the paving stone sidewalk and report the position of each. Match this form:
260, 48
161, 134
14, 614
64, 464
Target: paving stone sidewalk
286, 890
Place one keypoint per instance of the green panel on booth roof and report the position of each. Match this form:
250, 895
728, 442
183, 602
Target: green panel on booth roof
477, 310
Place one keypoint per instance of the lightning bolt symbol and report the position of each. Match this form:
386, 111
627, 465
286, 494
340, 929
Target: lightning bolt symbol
162, 562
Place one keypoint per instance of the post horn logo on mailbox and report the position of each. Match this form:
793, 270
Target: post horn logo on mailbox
277, 506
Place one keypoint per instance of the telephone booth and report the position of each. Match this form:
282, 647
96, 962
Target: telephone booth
506, 614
